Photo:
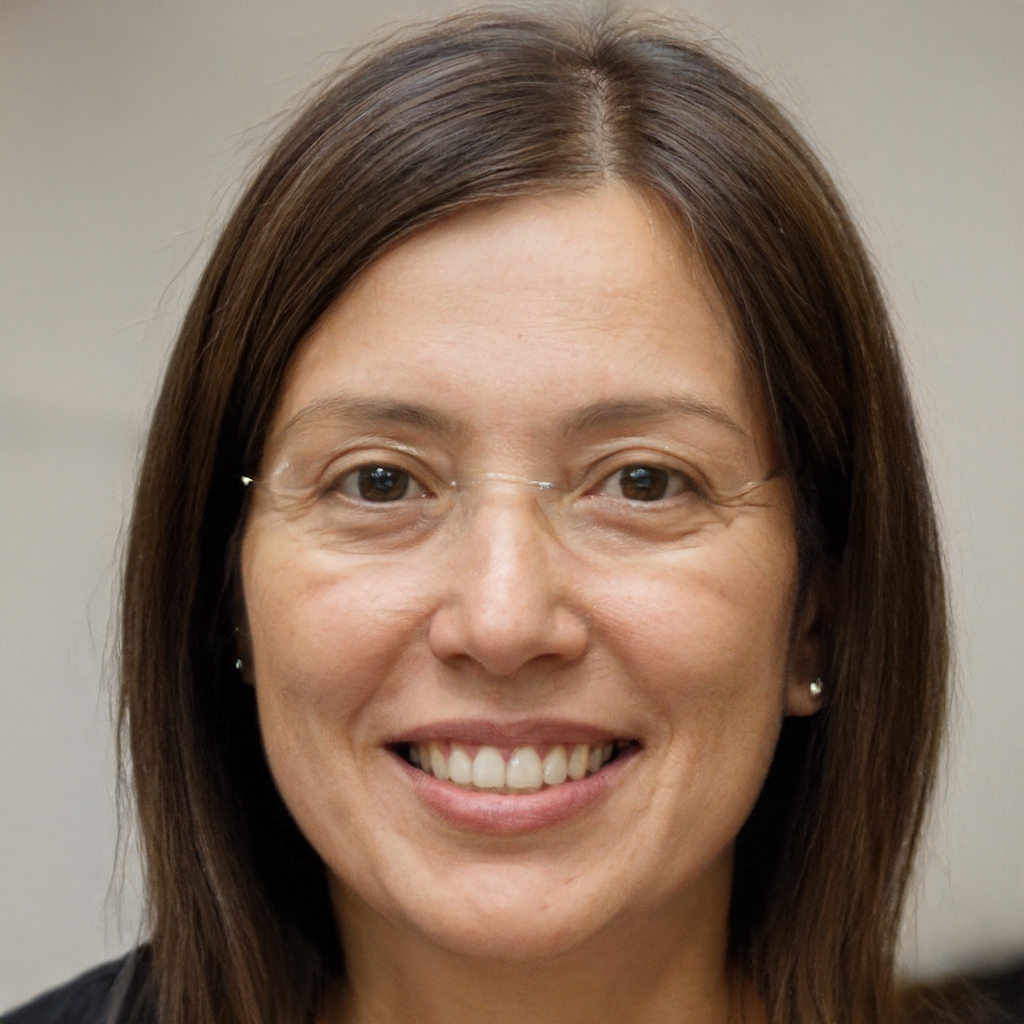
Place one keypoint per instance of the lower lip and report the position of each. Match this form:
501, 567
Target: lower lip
505, 814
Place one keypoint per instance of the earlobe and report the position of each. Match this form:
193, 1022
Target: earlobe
240, 633
243, 659
805, 698
805, 690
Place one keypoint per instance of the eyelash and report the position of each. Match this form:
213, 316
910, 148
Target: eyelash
341, 482
676, 482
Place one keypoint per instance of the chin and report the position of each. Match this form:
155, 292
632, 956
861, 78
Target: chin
512, 932
496, 911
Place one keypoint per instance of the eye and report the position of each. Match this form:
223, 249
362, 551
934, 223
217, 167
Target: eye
645, 483
380, 483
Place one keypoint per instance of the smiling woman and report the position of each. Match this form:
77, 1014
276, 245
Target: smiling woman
533, 609
510, 731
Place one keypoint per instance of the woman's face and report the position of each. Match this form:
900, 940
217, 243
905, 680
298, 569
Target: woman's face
642, 608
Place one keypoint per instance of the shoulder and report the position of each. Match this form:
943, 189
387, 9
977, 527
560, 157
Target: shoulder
96, 997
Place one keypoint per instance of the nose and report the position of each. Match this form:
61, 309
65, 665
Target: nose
507, 602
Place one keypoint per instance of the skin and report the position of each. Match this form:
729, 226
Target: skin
504, 320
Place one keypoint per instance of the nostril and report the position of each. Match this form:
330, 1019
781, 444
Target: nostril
504, 634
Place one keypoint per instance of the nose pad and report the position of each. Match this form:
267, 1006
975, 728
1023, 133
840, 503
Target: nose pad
507, 600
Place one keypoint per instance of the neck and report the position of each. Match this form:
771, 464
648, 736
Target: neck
669, 964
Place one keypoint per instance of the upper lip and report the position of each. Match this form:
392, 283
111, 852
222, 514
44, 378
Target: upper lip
519, 732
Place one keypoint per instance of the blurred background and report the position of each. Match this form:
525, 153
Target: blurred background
126, 128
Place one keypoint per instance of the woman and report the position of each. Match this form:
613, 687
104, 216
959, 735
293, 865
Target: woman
533, 604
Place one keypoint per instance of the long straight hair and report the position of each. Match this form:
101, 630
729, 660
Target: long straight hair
487, 107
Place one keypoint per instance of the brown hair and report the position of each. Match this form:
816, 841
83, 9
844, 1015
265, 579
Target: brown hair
483, 107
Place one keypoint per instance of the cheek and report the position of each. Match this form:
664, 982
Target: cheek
706, 643
719, 617
314, 621
325, 646
328, 649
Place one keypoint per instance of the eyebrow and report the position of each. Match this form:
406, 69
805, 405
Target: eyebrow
598, 415
373, 411
631, 410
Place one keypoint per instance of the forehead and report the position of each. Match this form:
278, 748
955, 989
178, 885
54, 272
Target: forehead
526, 311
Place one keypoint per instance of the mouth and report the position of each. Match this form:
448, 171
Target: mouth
521, 769
513, 778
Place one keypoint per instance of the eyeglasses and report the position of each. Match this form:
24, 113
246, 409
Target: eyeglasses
629, 506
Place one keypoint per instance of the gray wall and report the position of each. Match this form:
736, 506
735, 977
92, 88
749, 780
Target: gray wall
125, 128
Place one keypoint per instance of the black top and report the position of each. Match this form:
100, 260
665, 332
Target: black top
109, 994
104, 995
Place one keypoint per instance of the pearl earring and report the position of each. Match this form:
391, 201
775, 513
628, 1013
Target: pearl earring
238, 664
816, 687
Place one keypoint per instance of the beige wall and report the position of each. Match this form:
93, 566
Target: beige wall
125, 126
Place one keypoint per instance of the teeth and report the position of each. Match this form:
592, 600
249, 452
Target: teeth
556, 766
438, 764
488, 769
460, 768
525, 771
577, 766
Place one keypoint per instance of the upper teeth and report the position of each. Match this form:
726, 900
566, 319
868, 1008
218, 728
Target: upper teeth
525, 769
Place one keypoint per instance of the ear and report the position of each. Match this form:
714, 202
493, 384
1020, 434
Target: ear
805, 655
243, 641
243, 647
